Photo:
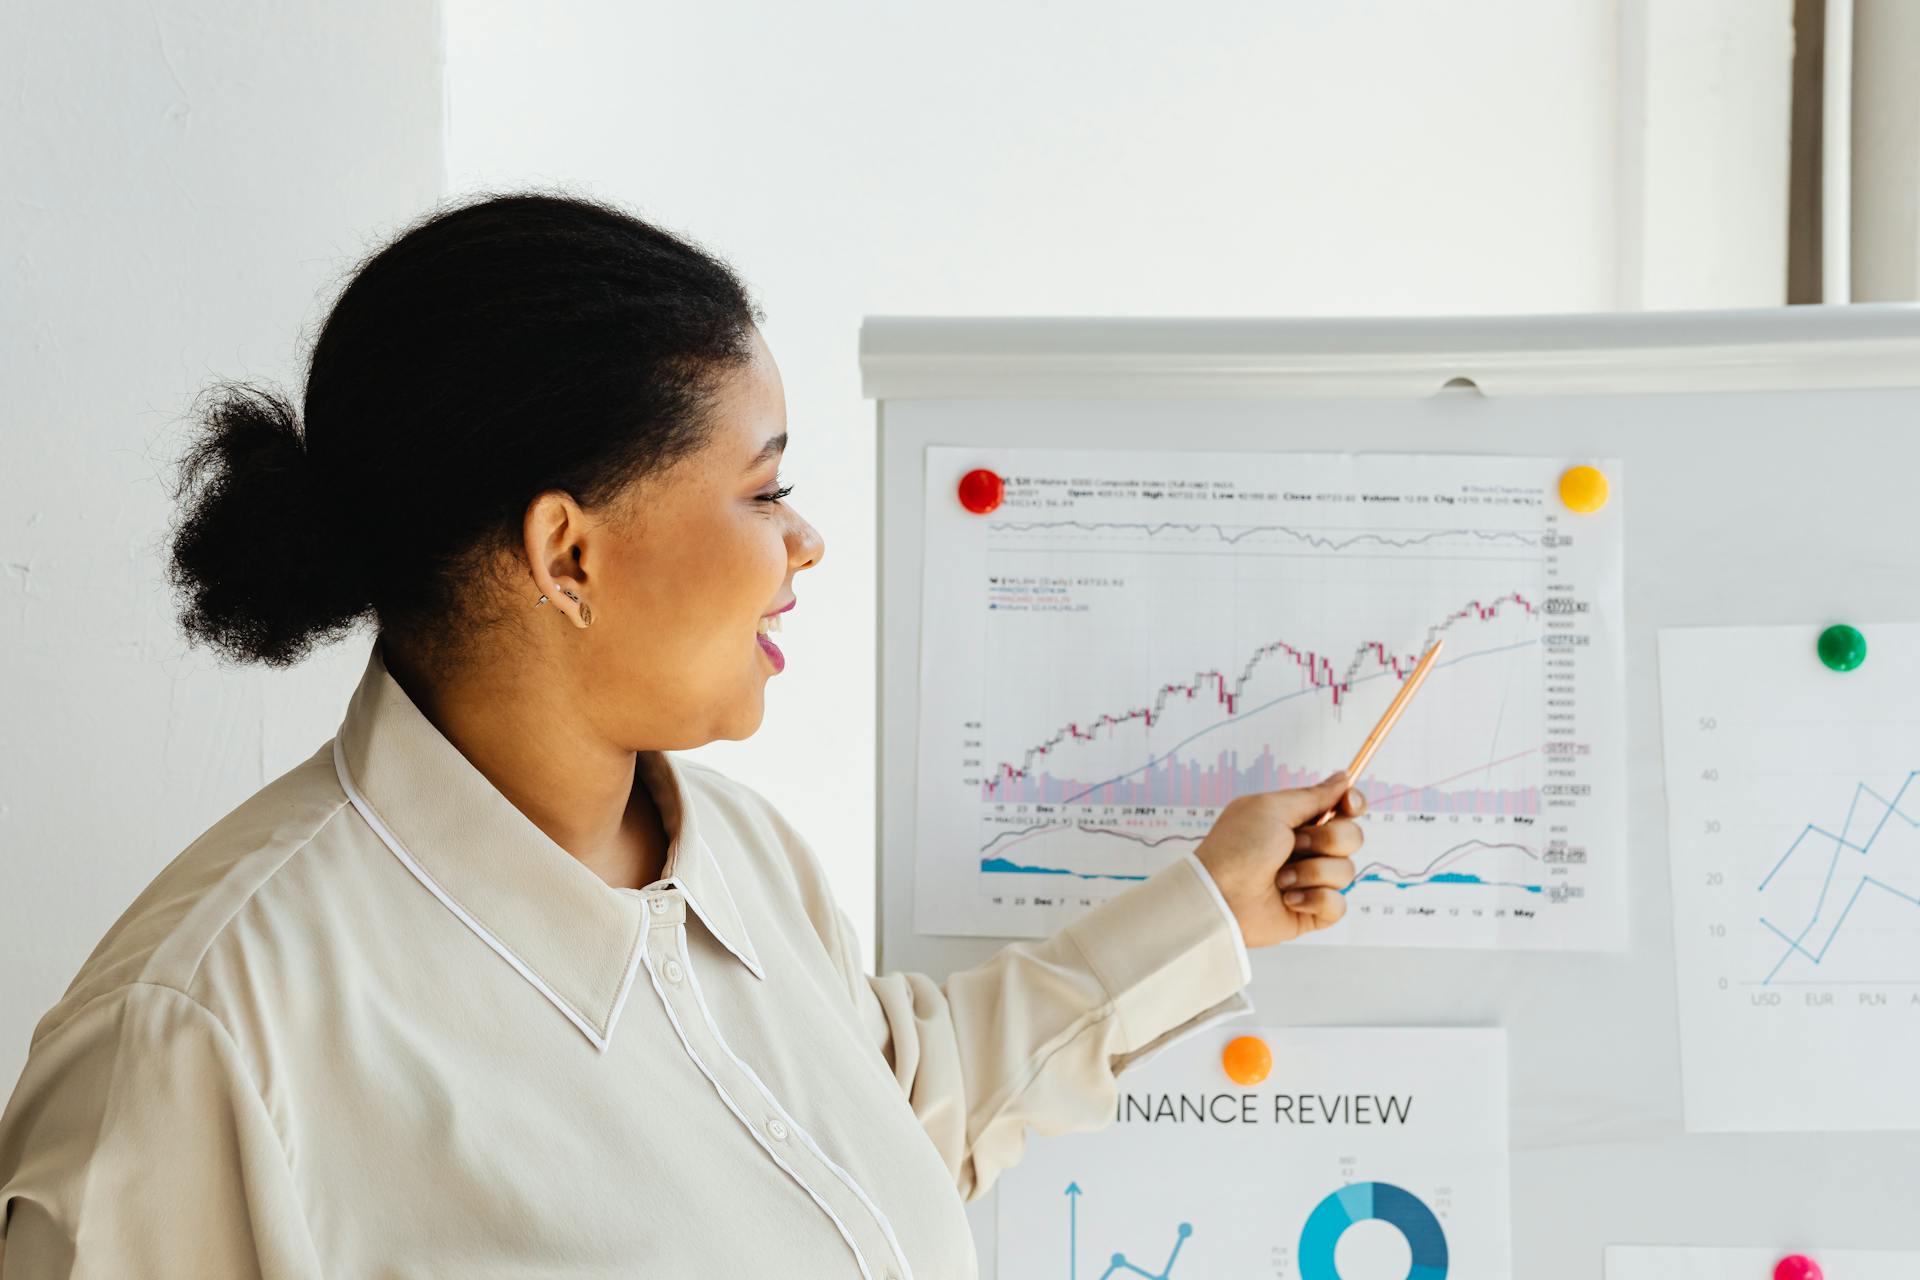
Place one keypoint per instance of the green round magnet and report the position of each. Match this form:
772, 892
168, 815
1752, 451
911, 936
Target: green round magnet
1842, 647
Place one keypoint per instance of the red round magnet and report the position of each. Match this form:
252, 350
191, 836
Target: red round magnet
980, 491
1797, 1266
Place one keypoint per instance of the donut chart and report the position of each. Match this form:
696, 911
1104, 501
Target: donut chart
1366, 1202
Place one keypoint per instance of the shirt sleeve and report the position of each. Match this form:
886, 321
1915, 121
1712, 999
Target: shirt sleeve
137, 1144
1220, 901
1037, 1036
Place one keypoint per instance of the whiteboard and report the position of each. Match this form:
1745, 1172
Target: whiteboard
1773, 460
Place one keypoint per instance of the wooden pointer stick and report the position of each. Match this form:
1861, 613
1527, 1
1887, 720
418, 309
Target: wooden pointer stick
1379, 734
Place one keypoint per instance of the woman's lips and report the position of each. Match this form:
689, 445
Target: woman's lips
772, 651
771, 622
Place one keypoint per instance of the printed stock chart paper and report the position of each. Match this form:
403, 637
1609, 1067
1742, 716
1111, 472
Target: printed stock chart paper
1793, 812
1368, 1154
1131, 639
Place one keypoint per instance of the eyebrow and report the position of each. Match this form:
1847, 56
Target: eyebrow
774, 445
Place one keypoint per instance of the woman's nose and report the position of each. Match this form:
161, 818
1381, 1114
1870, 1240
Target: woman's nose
807, 545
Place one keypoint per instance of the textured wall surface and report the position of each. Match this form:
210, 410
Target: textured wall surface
186, 183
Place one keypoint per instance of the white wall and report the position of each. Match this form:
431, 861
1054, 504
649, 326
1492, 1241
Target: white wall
184, 181
1705, 119
1254, 157
187, 180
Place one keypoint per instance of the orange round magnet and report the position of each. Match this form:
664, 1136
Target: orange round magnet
1247, 1060
1583, 489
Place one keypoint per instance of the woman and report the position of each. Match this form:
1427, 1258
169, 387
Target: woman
492, 984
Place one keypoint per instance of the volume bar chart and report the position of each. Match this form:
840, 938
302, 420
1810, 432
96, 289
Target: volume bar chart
1184, 781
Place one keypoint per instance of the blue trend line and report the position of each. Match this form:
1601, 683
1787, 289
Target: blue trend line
1119, 1260
1120, 1263
1846, 825
1797, 942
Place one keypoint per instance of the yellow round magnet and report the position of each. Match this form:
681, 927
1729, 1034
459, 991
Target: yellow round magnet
1583, 489
1247, 1060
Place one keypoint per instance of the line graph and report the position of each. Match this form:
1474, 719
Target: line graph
1234, 535
1217, 783
1118, 1262
1794, 831
1317, 668
1889, 811
1444, 869
1098, 681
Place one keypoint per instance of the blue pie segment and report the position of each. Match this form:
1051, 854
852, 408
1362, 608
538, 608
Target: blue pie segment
1366, 1202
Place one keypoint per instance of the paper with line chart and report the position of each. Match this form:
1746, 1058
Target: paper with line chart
1131, 639
1793, 815
1368, 1154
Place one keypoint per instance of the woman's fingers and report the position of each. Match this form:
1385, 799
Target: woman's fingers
1316, 873
1326, 906
1342, 838
1299, 806
1353, 804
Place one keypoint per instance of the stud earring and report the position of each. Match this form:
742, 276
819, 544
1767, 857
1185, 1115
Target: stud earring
586, 610
542, 600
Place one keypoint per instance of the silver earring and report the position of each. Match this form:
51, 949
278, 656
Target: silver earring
537, 603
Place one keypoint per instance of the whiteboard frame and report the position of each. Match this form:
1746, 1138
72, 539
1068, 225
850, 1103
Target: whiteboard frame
1806, 347
1860, 347
932, 357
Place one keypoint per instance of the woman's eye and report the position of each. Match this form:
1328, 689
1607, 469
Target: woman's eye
776, 495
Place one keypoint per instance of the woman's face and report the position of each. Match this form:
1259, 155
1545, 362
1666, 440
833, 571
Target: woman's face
678, 586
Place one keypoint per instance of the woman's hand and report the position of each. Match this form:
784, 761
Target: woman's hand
1281, 875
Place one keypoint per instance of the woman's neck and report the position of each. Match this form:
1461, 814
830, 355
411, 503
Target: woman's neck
586, 794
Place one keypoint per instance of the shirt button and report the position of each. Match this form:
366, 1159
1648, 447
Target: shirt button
657, 905
778, 1130
673, 971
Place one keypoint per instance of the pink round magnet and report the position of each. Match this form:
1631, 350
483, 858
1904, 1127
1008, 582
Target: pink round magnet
1797, 1266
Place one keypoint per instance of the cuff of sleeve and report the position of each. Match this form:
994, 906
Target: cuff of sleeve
1169, 958
1219, 900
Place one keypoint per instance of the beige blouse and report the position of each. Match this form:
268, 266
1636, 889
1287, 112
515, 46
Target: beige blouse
374, 1022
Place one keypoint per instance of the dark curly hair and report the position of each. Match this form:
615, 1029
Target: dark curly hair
496, 349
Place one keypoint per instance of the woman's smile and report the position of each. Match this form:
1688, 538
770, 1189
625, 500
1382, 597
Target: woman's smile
771, 622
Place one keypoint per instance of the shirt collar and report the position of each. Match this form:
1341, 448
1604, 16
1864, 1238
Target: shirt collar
576, 938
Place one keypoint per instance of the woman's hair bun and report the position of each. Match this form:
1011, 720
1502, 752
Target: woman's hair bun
501, 347
255, 553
